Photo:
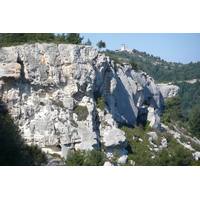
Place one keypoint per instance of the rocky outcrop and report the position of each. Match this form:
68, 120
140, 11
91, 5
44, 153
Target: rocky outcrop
196, 155
10, 70
71, 97
168, 90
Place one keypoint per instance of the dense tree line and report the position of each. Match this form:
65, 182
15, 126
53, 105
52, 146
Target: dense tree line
8, 39
172, 110
194, 123
190, 97
173, 114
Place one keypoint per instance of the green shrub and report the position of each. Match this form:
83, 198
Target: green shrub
174, 155
95, 158
138, 150
104, 124
34, 155
165, 118
134, 65
73, 123
82, 112
101, 102
55, 155
194, 123
115, 157
57, 103
184, 139
181, 156
195, 146
75, 158
14, 150
116, 60
163, 158
173, 109
85, 158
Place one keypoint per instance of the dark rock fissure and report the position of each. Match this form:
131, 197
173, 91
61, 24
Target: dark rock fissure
22, 74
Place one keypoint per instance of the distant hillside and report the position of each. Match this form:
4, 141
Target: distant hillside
190, 97
163, 71
160, 70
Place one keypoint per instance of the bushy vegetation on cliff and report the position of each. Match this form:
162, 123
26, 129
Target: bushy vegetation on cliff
173, 114
190, 97
85, 158
142, 153
14, 150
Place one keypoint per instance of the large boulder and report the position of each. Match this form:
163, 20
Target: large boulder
168, 90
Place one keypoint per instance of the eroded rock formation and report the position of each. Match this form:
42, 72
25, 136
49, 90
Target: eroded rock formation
72, 97
168, 90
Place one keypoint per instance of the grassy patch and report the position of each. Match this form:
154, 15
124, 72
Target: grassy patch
101, 102
82, 112
57, 103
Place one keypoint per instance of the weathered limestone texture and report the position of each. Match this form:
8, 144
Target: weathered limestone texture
168, 90
53, 91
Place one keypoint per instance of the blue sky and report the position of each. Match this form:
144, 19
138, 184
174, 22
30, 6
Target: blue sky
172, 47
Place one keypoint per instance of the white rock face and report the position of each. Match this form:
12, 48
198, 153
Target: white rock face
42, 84
107, 163
164, 143
154, 117
168, 90
114, 137
153, 136
196, 155
10, 70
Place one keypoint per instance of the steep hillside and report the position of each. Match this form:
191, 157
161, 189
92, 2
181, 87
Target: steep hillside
190, 97
186, 76
156, 67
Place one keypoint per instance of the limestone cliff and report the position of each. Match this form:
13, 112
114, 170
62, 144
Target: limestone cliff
54, 94
168, 90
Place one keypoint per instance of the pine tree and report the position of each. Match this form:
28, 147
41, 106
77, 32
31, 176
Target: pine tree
89, 43
74, 38
194, 123
101, 44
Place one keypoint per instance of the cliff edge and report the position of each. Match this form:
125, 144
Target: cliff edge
72, 97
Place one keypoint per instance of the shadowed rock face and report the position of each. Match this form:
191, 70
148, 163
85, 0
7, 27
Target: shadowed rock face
42, 84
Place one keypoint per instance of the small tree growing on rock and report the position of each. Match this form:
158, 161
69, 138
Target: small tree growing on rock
89, 43
101, 44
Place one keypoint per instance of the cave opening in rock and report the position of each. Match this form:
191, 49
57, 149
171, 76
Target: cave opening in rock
22, 74
54, 147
